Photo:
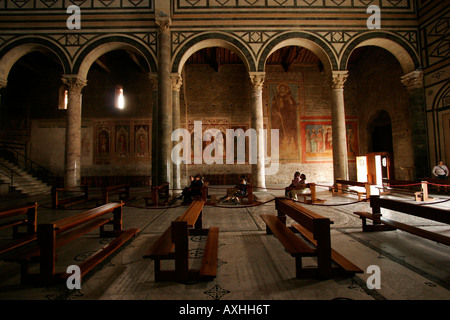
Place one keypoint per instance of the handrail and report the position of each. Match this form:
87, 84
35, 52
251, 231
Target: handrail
12, 173
27, 164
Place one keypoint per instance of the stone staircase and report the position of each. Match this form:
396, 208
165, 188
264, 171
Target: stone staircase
24, 184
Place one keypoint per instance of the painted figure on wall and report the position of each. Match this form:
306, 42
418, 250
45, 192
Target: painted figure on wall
123, 142
141, 141
284, 117
103, 143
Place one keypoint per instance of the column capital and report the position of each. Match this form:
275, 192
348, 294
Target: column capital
73, 82
177, 81
257, 79
338, 79
153, 76
413, 80
163, 23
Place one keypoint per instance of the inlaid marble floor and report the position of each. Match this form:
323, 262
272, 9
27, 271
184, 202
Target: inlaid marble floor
251, 264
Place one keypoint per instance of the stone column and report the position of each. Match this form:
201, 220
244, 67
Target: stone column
340, 157
72, 164
177, 81
413, 81
164, 104
154, 85
258, 169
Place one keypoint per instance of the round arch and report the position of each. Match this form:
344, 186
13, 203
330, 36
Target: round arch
208, 40
402, 51
18, 48
99, 47
301, 39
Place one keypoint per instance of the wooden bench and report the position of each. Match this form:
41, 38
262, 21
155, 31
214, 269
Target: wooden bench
52, 236
401, 187
28, 220
437, 184
315, 240
123, 190
312, 194
173, 244
379, 223
159, 195
63, 198
361, 189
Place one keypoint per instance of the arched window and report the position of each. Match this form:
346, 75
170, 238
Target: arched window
63, 98
119, 98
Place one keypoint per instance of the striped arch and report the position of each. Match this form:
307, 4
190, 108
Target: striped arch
301, 39
100, 46
403, 52
212, 39
19, 47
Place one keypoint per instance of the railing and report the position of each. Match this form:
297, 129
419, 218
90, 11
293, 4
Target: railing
9, 151
9, 173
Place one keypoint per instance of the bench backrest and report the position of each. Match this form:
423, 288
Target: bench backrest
308, 219
351, 183
192, 213
80, 218
9, 212
425, 212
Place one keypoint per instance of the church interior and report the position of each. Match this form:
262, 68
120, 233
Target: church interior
91, 99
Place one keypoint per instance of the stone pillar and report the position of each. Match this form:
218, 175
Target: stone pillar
72, 164
258, 169
413, 81
340, 157
154, 85
164, 104
177, 81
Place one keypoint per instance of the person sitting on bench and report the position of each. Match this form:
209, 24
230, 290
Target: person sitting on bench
293, 184
186, 189
240, 190
195, 189
299, 188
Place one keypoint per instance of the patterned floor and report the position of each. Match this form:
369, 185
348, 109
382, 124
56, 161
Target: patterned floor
251, 264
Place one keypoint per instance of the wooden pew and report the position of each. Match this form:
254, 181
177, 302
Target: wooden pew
28, 220
312, 194
437, 184
60, 200
52, 236
158, 193
173, 244
315, 229
123, 190
401, 187
362, 188
379, 223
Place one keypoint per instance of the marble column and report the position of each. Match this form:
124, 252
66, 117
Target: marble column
164, 104
258, 169
340, 157
177, 81
413, 81
154, 86
72, 163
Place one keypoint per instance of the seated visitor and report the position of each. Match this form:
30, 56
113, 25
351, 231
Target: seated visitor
300, 188
240, 190
293, 184
194, 190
